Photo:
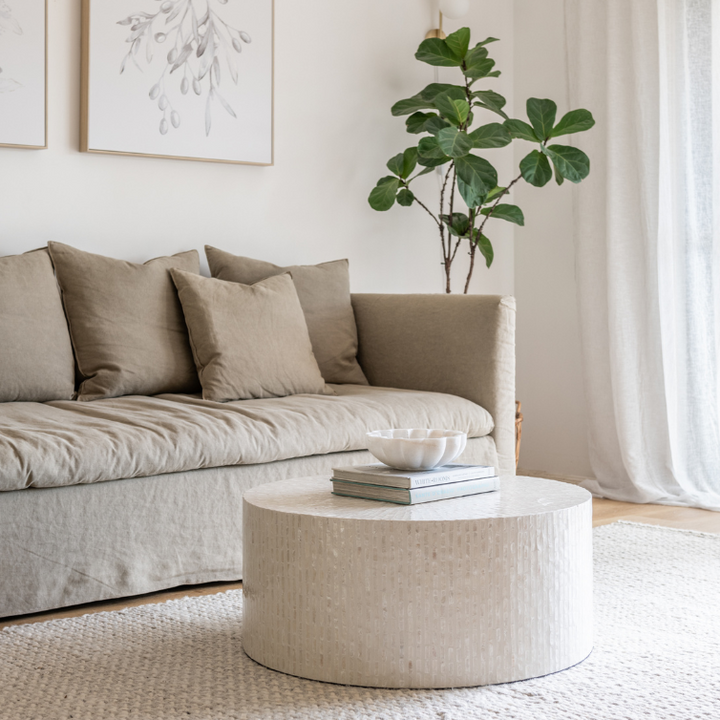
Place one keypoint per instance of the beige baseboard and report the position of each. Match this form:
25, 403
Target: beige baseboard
572, 479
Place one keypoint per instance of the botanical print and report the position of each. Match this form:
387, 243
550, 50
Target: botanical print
7, 24
22, 73
195, 43
188, 79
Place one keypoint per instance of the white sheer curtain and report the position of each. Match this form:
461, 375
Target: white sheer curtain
648, 246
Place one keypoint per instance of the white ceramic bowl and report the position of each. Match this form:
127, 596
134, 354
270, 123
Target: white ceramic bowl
416, 449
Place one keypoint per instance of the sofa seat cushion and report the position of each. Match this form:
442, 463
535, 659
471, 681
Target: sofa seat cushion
66, 443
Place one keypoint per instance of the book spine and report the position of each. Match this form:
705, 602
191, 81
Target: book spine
459, 476
428, 494
410, 482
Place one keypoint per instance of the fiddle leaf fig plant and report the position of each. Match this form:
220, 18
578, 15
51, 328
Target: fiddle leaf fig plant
443, 114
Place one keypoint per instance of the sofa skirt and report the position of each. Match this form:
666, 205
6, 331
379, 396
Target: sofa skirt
83, 543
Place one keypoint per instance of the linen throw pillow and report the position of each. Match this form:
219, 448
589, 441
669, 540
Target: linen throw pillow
36, 358
126, 323
324, 292
249, 341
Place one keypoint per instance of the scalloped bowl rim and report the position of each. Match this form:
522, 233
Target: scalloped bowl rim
416, 448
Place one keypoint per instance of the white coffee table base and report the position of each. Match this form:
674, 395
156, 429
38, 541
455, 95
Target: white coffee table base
472, 591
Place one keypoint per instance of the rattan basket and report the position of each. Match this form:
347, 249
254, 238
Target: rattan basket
518, 430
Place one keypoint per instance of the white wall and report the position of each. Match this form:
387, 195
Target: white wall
339, 66
549, 367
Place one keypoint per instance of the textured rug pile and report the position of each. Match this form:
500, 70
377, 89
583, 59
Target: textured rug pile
657, 656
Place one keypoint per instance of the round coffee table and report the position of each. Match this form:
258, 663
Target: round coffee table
471, 591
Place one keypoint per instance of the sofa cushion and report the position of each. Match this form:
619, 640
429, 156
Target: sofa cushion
248, 341
66, 443
126, 323
324, 292
36, 358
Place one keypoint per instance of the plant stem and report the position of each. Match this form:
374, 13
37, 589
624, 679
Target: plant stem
497, 202
447, 259
473, 245
473, 249
425, 208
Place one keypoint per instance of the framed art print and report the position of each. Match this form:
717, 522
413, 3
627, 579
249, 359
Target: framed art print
190, 79
23, 73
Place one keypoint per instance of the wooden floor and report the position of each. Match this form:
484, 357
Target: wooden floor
604, 512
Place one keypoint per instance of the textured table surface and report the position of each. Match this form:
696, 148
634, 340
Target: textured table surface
517, 497
477, 590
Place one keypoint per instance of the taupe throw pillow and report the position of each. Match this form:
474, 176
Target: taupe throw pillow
324, 292
36, 358
126, 323
249, 341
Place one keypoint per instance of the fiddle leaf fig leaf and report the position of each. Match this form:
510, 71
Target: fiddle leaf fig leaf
485, 246
453, 142
535, 169
383, 194
573, 122
435, 51
411, 105
430, 154
435, 124
494, 193
415, 124
452, 109
424, 171
469, 194
493, 135
490, 100
541, 114
405, 197
431, 91
571, 163
409, 161
521, 130
395, 165
487, 41
476, 172
459, 42
477, 64
479, 69
559, 179
511, 213
477, 54
424, 100
458, 225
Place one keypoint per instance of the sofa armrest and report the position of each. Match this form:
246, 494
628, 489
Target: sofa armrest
458, 344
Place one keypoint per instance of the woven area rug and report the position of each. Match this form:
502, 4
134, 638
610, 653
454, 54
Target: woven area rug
657, 655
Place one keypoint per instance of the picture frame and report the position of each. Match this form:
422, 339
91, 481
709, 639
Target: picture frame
180, 79
23, 74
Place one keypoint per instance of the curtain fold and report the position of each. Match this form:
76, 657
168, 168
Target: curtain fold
647, 247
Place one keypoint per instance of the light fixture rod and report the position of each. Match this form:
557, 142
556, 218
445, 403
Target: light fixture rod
437, 32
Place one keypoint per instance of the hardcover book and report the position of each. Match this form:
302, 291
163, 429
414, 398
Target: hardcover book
381, 474
404, 496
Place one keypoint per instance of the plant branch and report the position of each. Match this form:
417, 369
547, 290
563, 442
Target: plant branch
427, 210
473, 245
444, 185
497, 202
452, 191
473, 249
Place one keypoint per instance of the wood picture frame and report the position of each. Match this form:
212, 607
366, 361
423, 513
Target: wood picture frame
180, 79
23, 74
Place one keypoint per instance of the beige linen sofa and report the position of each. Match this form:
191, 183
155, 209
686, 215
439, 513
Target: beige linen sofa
127, 495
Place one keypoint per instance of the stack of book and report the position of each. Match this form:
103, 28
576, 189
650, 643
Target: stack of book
380, 482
